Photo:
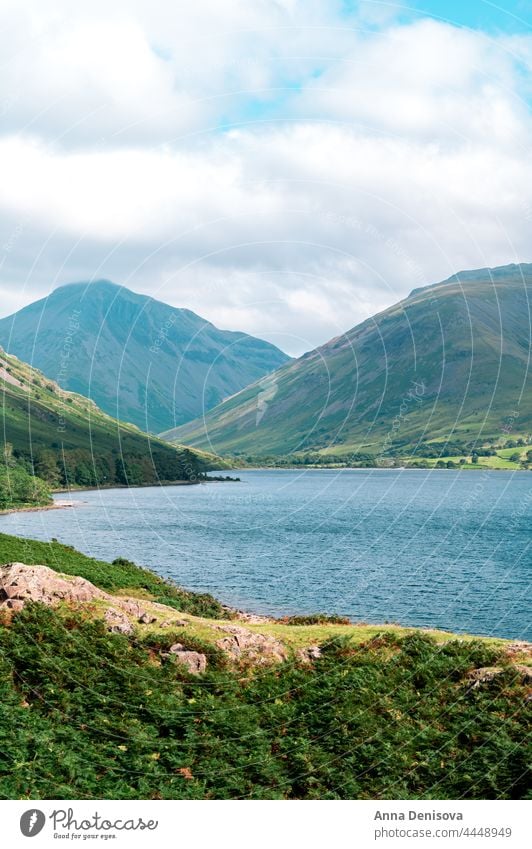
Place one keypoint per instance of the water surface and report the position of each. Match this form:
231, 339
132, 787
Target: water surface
428, 548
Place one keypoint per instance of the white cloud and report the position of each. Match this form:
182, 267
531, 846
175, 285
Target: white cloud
385, 161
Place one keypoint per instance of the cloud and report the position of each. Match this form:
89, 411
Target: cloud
274, 166
428, 81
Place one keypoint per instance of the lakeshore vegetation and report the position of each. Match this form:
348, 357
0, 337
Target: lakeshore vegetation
54, 439
380, 713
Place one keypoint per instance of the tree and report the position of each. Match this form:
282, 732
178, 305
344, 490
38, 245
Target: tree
8, 460
46, 467
18, 488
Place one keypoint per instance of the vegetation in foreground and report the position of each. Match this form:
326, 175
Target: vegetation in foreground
88, 714
377, 714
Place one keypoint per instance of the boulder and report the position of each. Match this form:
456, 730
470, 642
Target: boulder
173, 623
525, 673
487, 673
20, 583
147, 619
243, 644
195, 661
518, 647
483, 675
309, 654
117, 622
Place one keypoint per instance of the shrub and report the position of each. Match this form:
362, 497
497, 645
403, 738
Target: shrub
88, 714
316, 619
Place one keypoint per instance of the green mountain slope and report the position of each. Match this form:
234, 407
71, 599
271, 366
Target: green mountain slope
67, 440
448, 363
139, 359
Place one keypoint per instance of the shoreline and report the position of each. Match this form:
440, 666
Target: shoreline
61, 505
57, 505
112, 486
377, 469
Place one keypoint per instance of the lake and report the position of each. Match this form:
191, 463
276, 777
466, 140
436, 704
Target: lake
440, 549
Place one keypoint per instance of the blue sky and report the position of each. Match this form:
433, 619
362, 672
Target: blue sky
478, 14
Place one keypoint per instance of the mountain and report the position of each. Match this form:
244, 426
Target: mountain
449, 363
140, 360
67, 440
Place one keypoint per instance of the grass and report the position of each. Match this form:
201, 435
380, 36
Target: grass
122, 576
88, 714
436, 390
498, 461
385, 712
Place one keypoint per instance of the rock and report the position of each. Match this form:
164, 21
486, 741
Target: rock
518, 647
488, 673
243, 644
131, 606
177, 647
195, 661
174, 623
309, 654
14, 604
117, 622
147, 619
314, 652
20, 583
485, 673
525, 673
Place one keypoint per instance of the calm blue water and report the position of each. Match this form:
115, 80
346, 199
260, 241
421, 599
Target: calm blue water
442, 548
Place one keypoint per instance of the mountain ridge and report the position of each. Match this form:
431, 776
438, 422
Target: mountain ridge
139, 359
468, 346
65, 439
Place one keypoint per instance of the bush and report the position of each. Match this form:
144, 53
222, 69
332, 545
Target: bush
19, 488
88, 714
316, 619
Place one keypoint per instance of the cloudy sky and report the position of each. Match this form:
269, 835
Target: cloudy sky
283, 167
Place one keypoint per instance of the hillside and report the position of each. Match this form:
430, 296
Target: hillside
140, 360
129, 688
449, 364
68, 441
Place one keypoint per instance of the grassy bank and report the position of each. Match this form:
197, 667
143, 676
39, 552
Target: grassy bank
381, 712
119, 576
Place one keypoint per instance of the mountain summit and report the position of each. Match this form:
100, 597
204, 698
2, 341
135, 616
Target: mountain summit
139, 359
449, 363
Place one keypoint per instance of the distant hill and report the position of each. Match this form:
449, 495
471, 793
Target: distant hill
66, 440
449, 363
140, 360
